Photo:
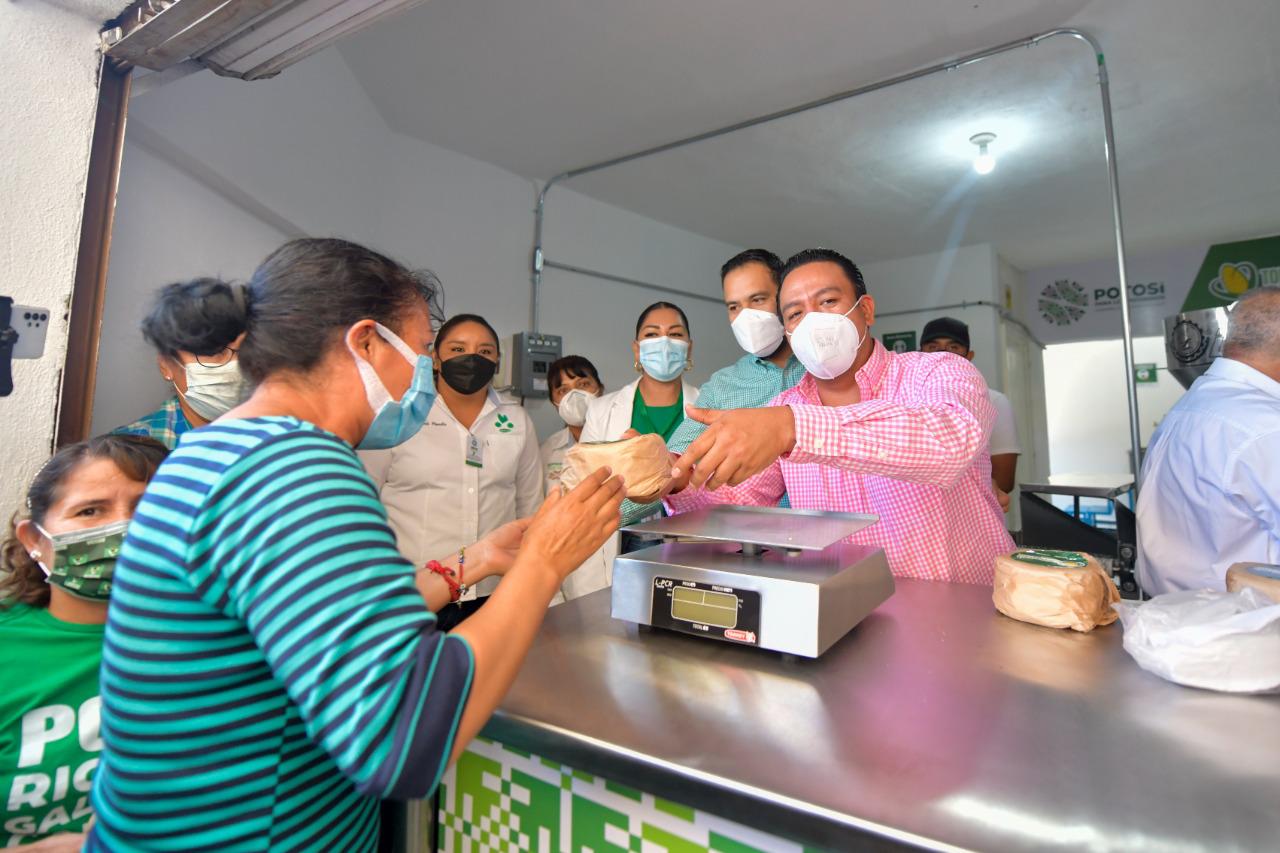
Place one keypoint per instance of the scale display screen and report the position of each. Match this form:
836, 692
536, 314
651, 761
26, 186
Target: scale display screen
707, 610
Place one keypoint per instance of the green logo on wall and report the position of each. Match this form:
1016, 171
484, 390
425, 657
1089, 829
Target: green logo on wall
1063, 302
899, 341
1230, 270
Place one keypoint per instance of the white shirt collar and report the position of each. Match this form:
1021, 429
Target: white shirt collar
491, 402
1237, 371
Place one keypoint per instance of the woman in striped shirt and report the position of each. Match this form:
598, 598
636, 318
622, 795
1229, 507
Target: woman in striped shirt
269, 667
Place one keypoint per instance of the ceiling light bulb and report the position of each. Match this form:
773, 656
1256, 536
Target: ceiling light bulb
985, 161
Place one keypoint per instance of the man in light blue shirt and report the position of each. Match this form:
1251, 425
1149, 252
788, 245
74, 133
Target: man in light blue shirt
1210, 492
750, 283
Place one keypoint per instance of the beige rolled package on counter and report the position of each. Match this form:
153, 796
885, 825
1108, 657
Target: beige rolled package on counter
1057, 589
643, 462
1264, 577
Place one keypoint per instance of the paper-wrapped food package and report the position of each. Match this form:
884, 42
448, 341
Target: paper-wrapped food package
1057, 589
643, 462
1263, 577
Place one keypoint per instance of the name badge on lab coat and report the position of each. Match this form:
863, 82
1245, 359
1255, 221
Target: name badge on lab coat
475, 451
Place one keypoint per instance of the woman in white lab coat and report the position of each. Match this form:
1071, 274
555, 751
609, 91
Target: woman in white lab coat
573, 383
473, 466
653, 403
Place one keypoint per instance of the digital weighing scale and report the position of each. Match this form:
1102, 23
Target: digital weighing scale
776, 578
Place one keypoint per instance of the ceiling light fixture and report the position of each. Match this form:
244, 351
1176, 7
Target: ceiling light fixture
985, 161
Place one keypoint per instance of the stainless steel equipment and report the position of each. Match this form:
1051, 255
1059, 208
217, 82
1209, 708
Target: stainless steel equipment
1046, 526
780, 579
1192, 340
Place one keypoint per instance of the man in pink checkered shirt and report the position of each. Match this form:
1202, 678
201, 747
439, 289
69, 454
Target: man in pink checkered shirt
901, 435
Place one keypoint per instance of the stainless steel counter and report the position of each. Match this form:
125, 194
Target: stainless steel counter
937, 722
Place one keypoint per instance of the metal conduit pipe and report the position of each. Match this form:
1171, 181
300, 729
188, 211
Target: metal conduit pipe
1104, 86
635, 282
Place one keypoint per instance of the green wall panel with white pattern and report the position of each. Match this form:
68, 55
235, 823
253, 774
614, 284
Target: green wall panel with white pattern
504, 800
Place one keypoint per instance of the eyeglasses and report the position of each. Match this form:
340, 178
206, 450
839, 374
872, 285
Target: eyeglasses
217, 359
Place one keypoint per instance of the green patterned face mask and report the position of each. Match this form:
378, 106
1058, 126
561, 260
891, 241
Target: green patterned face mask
84, 561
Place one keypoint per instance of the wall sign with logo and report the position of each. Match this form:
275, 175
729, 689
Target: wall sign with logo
1232, 269
899, 341
1081, 302
1145, 372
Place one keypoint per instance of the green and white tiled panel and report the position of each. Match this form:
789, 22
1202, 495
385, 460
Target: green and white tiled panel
502, 800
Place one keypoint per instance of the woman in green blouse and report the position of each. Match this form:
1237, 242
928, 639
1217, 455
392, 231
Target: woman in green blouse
654, 403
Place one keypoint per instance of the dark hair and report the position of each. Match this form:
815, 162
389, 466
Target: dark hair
754, 256
654, 307
458, 319
201, 316
308, 292
137, 456
571, 365
809, 256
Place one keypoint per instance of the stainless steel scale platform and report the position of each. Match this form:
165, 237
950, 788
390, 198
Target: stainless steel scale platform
776, 578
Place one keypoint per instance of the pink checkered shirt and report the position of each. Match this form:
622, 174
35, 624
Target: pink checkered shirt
914, 452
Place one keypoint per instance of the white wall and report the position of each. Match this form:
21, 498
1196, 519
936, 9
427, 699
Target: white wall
966, 274
50, 65
1088, 407
168, 227
232, 168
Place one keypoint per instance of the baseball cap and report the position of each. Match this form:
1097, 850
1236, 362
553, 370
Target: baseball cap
946, 327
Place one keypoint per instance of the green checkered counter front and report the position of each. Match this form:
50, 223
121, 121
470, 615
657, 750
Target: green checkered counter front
504, 800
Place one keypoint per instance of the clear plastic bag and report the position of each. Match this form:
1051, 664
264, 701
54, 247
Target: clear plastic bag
1228, 641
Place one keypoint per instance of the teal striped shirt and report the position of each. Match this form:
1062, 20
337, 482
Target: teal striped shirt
748, 383
269, 668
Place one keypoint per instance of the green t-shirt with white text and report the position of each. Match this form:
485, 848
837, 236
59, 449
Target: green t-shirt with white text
49, 739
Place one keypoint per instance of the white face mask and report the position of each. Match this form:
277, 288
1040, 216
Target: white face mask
573, 407
758, 332
213, 391
827, 344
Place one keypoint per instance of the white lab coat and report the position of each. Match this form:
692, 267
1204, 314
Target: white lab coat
591, 575
552, 452
436, 502
608, 417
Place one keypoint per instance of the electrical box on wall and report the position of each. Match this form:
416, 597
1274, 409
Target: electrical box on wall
526, 362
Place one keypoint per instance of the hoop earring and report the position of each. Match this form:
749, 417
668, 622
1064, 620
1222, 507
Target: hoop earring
688, 365
638, 370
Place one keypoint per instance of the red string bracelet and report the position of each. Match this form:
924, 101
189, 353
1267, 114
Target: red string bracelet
455, 587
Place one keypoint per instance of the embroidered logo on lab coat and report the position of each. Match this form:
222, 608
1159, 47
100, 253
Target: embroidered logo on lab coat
503, 423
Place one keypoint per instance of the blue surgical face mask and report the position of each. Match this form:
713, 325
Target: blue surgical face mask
396, 421
664, 358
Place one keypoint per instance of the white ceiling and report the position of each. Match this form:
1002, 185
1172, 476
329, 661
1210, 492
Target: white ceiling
541, 86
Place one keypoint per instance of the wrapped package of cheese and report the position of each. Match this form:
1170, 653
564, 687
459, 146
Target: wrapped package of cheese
1057, 589
643, 462
1263, 577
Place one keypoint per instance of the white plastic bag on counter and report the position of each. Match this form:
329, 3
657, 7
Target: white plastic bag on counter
1227, 641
